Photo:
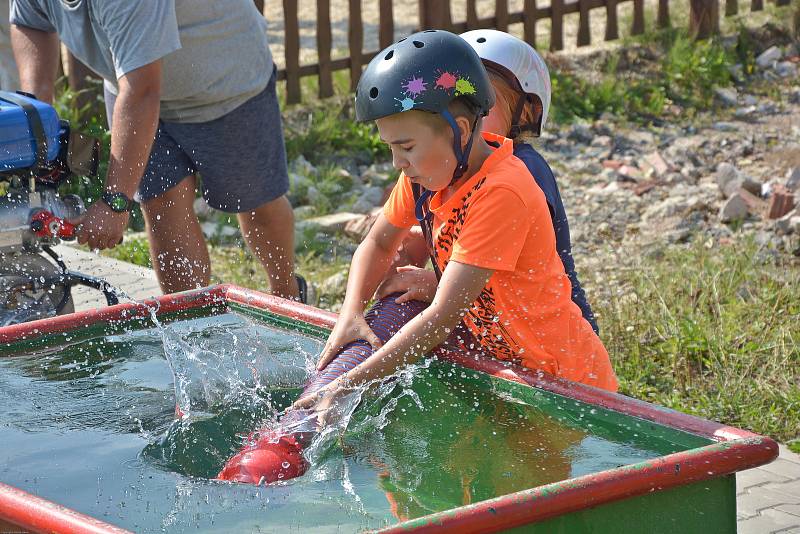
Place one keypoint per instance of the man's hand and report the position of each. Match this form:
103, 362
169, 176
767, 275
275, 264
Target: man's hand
100, 227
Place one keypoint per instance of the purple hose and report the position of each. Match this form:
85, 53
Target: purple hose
385, 318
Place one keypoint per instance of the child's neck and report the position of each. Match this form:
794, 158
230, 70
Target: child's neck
477, 156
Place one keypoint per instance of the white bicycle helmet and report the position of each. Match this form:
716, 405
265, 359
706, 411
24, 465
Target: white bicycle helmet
519, 59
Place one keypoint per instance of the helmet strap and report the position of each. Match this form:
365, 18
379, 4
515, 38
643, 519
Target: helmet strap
516, 128
462, 156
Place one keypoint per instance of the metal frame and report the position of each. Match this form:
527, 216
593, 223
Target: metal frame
732, 449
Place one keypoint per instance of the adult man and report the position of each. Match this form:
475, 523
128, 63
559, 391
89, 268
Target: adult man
190, 90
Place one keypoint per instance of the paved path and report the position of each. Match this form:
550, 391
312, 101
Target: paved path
136, 281
768, 497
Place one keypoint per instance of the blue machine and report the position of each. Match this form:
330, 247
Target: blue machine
37, 153
30, 132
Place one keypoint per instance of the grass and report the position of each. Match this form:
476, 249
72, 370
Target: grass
329, 131
720, 341
235, 264
640, 82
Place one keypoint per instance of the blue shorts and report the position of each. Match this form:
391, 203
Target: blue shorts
239, 157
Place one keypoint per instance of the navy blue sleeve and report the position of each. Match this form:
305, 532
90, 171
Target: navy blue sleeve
544, 177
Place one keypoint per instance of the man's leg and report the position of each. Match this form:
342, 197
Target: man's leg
269, 232
177, 247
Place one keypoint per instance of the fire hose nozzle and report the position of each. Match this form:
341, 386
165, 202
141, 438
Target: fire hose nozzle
46, 225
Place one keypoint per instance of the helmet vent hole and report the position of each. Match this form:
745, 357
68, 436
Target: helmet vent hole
429, 31
419, 44
373, 93
389, 55
481, 39
403, 39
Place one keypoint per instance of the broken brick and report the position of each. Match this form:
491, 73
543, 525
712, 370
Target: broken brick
612, 164
657, 162
781, 202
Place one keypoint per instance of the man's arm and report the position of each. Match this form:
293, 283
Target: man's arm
134, 123
37, 54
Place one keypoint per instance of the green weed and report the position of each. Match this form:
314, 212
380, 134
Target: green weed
720, 341
134, 250
329, 133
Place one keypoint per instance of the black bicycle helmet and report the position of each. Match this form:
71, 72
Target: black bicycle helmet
426, 71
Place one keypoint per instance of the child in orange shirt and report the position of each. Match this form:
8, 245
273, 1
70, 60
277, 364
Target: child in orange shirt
502, 287
489, 224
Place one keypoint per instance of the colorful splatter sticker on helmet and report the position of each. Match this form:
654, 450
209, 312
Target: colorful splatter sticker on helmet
446, 80
414, 87
464, 87
406, 103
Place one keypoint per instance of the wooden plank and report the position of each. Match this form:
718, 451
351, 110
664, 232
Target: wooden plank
612, 24
472, 15
529, 22
756, 5
355, 41
324, 45
557, 25
501, 15
703, 18
731, 7
637, 28
663, 14
386, 24
584, 28
291, 51
435, 15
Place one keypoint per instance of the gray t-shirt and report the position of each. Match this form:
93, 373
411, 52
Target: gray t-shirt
214, 52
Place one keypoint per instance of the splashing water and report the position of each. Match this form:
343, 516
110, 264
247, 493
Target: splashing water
96, 421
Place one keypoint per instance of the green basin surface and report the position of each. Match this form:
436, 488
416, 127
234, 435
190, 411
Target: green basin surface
91, 425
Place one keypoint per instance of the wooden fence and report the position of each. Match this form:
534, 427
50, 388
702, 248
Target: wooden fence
704, 21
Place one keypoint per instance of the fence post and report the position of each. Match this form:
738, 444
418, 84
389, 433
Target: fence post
324, 41
612, 31
663, 14
556, 25
435, 15
703, 18
529, 22
756, 5
731, 7
291, 51
501, 15
584, 25
355, 42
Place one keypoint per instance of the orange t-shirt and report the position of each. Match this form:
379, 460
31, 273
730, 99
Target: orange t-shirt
499, 220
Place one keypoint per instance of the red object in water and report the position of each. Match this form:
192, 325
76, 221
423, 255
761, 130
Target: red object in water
45, 224
268, 460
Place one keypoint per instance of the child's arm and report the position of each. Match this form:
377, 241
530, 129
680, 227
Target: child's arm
460, 286
367, 268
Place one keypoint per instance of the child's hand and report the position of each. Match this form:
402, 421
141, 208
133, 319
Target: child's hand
324, 401
414, 284
348, 328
